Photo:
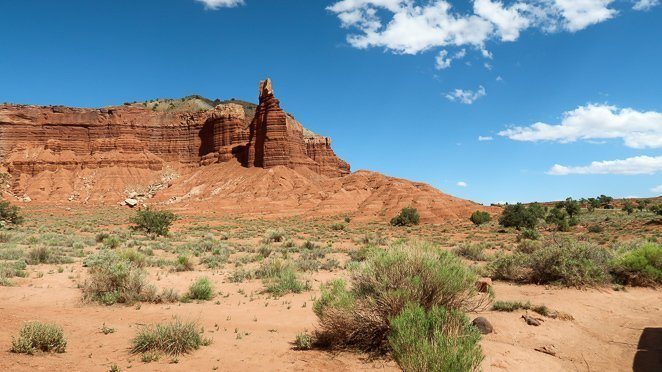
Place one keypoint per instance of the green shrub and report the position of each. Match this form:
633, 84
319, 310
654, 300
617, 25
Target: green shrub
571, 263
510, 306
111, 242
528, 246
114, 279
184, 263
640, 266
530, 234
201, 289
36, 336
480, 217
153, 222
408, 217
276, 236
304, 341
434, 340
280, 278
512, 267
595, 229
472, 251
520, 216
39, 255
136, 258
359, 317
9, 214
174, 338
338, 226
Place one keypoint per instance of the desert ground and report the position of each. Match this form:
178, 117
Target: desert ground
605, 327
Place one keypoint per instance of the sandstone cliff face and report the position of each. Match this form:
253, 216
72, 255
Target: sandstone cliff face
38, 139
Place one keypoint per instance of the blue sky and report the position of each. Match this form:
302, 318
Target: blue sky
404, 87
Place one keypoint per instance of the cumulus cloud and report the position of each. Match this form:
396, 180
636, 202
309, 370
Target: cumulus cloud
414, 26
645, 4
466, 96
637, 129
462, 184
444, 60
629, 166
485, 138
217, 4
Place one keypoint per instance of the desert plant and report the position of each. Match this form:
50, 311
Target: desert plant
173, 338
303, 341
408, 217
639, 266
184, 263
513, 267
519, 216
435, 340
359, 317
9, 214
530, 234
596, 229
201, 289
275, 236
281, 277
153, 222
472, 251
480, 217
114, 279
37, 336
570, 263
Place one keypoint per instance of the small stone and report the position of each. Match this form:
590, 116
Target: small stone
483, 325
133, 195
547, 349
131, 202
531, 320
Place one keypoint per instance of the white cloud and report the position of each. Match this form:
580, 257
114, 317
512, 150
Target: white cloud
462, 184
657, 189
485, 138
466, 96
629, 166
217, 4
595, 122
414, 26
444, 60
645, 4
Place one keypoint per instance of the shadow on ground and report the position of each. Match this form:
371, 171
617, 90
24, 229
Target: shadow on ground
649, 351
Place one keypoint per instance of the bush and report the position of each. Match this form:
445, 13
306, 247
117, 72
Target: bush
114, 279
640, 266
9, 214
528, 246
571, 263
174, 338
36, 336
519, 216
407, 217
276, 236
512, 267
280, 278
480, 217
530, 234
201, 289
596, 229
474, 252
359, 317
434, 340
304, 341
184, 263
153, 222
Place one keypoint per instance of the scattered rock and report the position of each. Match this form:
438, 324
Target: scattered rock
25, 199
531, 320
133, 195
483, 325
484, 285
547, 349
131, 202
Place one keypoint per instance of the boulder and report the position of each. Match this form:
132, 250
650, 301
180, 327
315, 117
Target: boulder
483, 325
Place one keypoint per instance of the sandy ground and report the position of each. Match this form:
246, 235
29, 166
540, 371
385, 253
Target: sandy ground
602, 337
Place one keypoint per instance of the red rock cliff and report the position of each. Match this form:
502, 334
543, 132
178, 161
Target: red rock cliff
36, 139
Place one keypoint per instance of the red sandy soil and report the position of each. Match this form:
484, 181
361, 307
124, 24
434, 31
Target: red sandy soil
603, 336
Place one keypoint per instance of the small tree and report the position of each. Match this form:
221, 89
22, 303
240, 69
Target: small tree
9, 214
153, 222
519, 216
592, 204
628, 207
605, 200
408, 217
572, 207
480, 217
642, 204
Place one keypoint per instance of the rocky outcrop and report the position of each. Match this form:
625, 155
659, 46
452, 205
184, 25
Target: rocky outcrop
37, 139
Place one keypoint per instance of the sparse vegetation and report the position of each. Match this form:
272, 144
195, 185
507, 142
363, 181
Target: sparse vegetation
202, 289
641, 265
37, 336
9, 214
